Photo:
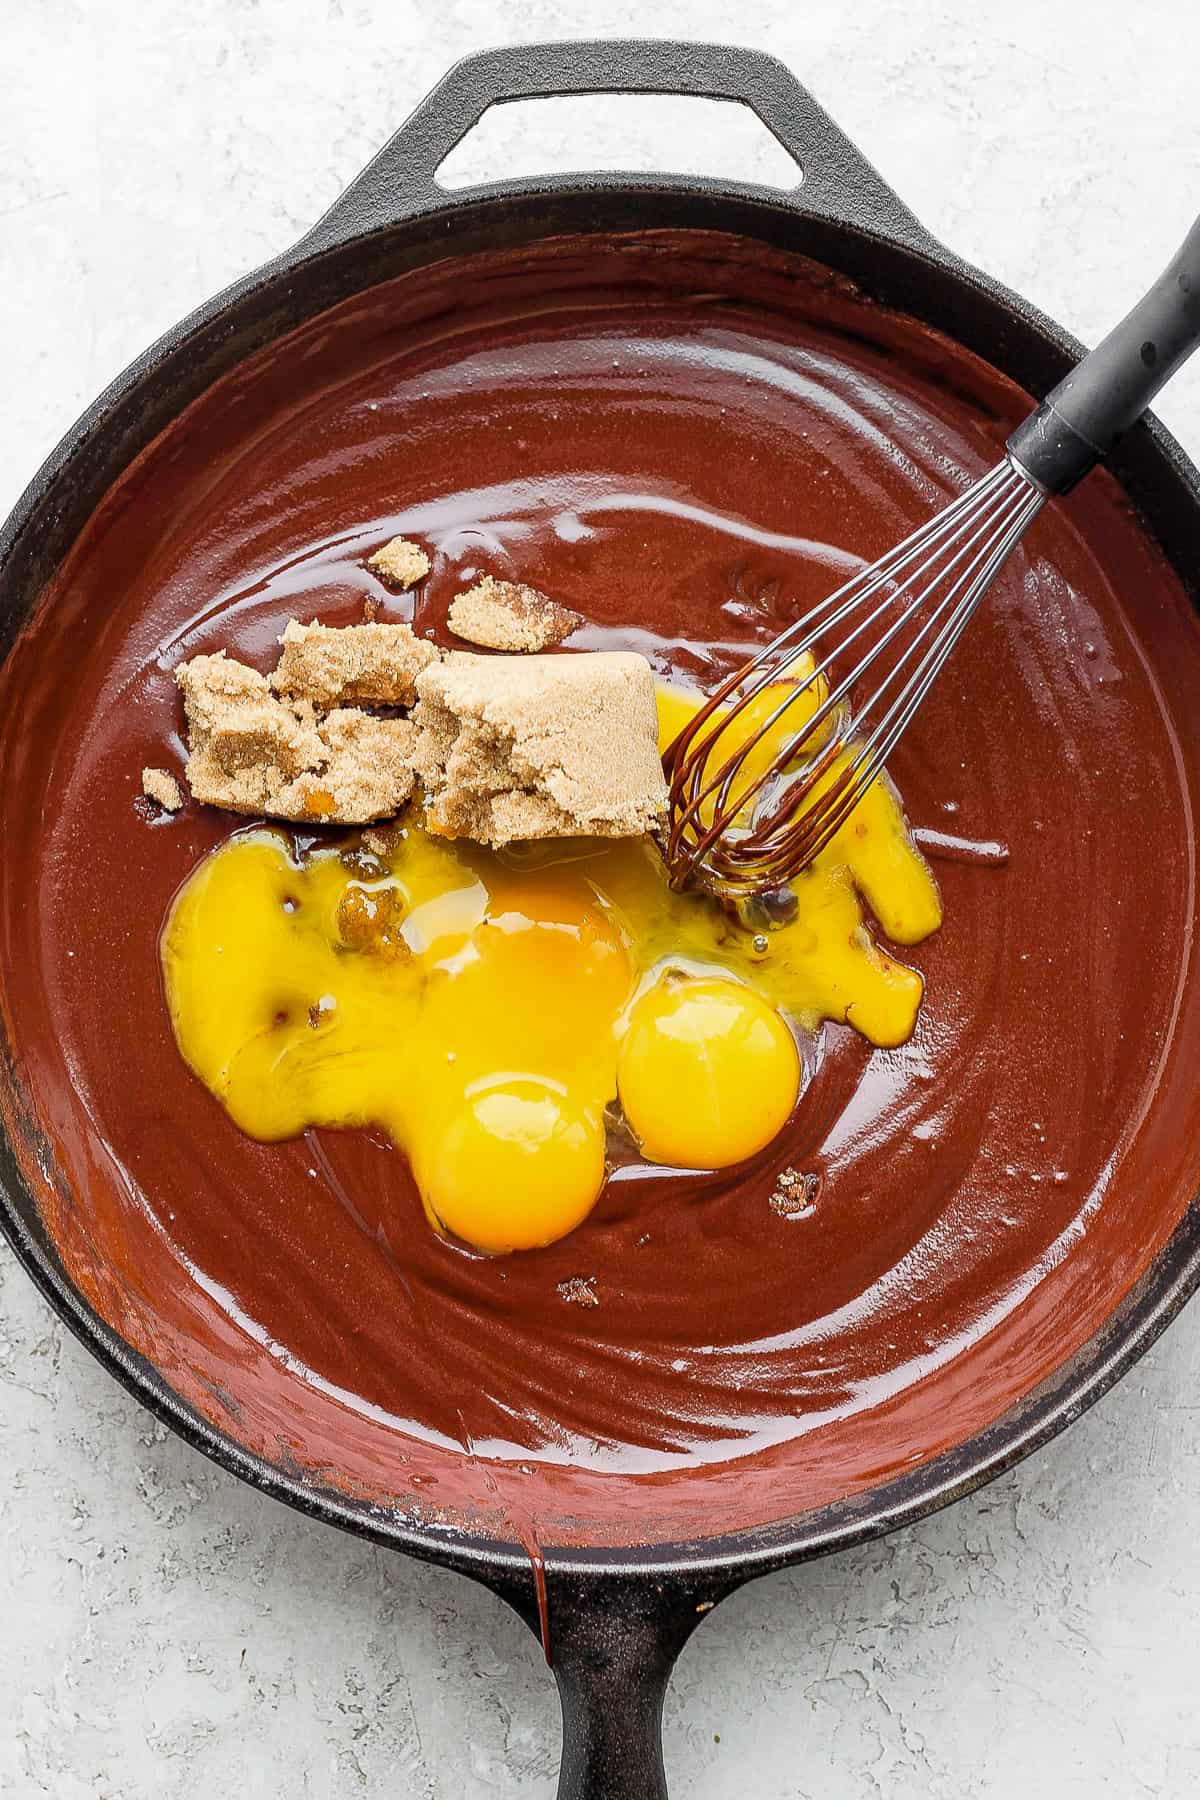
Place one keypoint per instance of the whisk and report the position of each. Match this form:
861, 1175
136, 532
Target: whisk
751, 807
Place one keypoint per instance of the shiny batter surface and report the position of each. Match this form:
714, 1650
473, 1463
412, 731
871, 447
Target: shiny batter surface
686, 451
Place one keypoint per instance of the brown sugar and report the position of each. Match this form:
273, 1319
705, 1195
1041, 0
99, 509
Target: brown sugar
372, 920
368, 773
251, 752
517, 747
163, 788
579, 1290
245, 745
382, 845
505, 615
400, 564
507, 747
372, 665
795, 1193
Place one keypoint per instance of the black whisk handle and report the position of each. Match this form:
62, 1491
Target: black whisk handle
1080, 420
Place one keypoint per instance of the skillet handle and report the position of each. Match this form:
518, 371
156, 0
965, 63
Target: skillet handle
613, 1645
838, 181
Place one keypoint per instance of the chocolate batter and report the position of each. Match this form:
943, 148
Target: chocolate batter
687, 446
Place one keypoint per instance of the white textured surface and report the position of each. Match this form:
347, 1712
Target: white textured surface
164, 1632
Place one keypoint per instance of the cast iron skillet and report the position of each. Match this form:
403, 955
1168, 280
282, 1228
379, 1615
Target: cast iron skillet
619, 1617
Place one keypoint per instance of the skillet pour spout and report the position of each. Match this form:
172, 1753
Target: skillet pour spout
617, 1574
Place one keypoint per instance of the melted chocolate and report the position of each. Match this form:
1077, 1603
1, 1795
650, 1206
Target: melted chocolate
687, 442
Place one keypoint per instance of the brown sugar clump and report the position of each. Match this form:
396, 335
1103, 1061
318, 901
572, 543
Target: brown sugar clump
579, 1290
251, 752
400, 564
542, 746
373, 665
162, 787
371, 919
795, 1193
383, 845
245, 745
504, 615
367, 773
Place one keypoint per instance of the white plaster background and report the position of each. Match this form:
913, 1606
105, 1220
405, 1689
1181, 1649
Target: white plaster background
164, 1632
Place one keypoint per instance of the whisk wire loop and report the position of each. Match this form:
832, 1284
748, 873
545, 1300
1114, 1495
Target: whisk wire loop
741, 829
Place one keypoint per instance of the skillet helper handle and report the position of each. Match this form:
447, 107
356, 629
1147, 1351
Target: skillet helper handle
1081, 419
837, 180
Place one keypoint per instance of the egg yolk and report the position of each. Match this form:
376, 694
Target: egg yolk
492, 1012
516, 1165
707, 1073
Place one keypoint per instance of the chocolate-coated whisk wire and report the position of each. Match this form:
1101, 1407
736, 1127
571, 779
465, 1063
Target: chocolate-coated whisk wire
902, 616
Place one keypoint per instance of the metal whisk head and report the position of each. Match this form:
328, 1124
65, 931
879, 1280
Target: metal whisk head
752, 800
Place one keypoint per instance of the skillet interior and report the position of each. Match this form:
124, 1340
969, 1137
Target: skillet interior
1107, 932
